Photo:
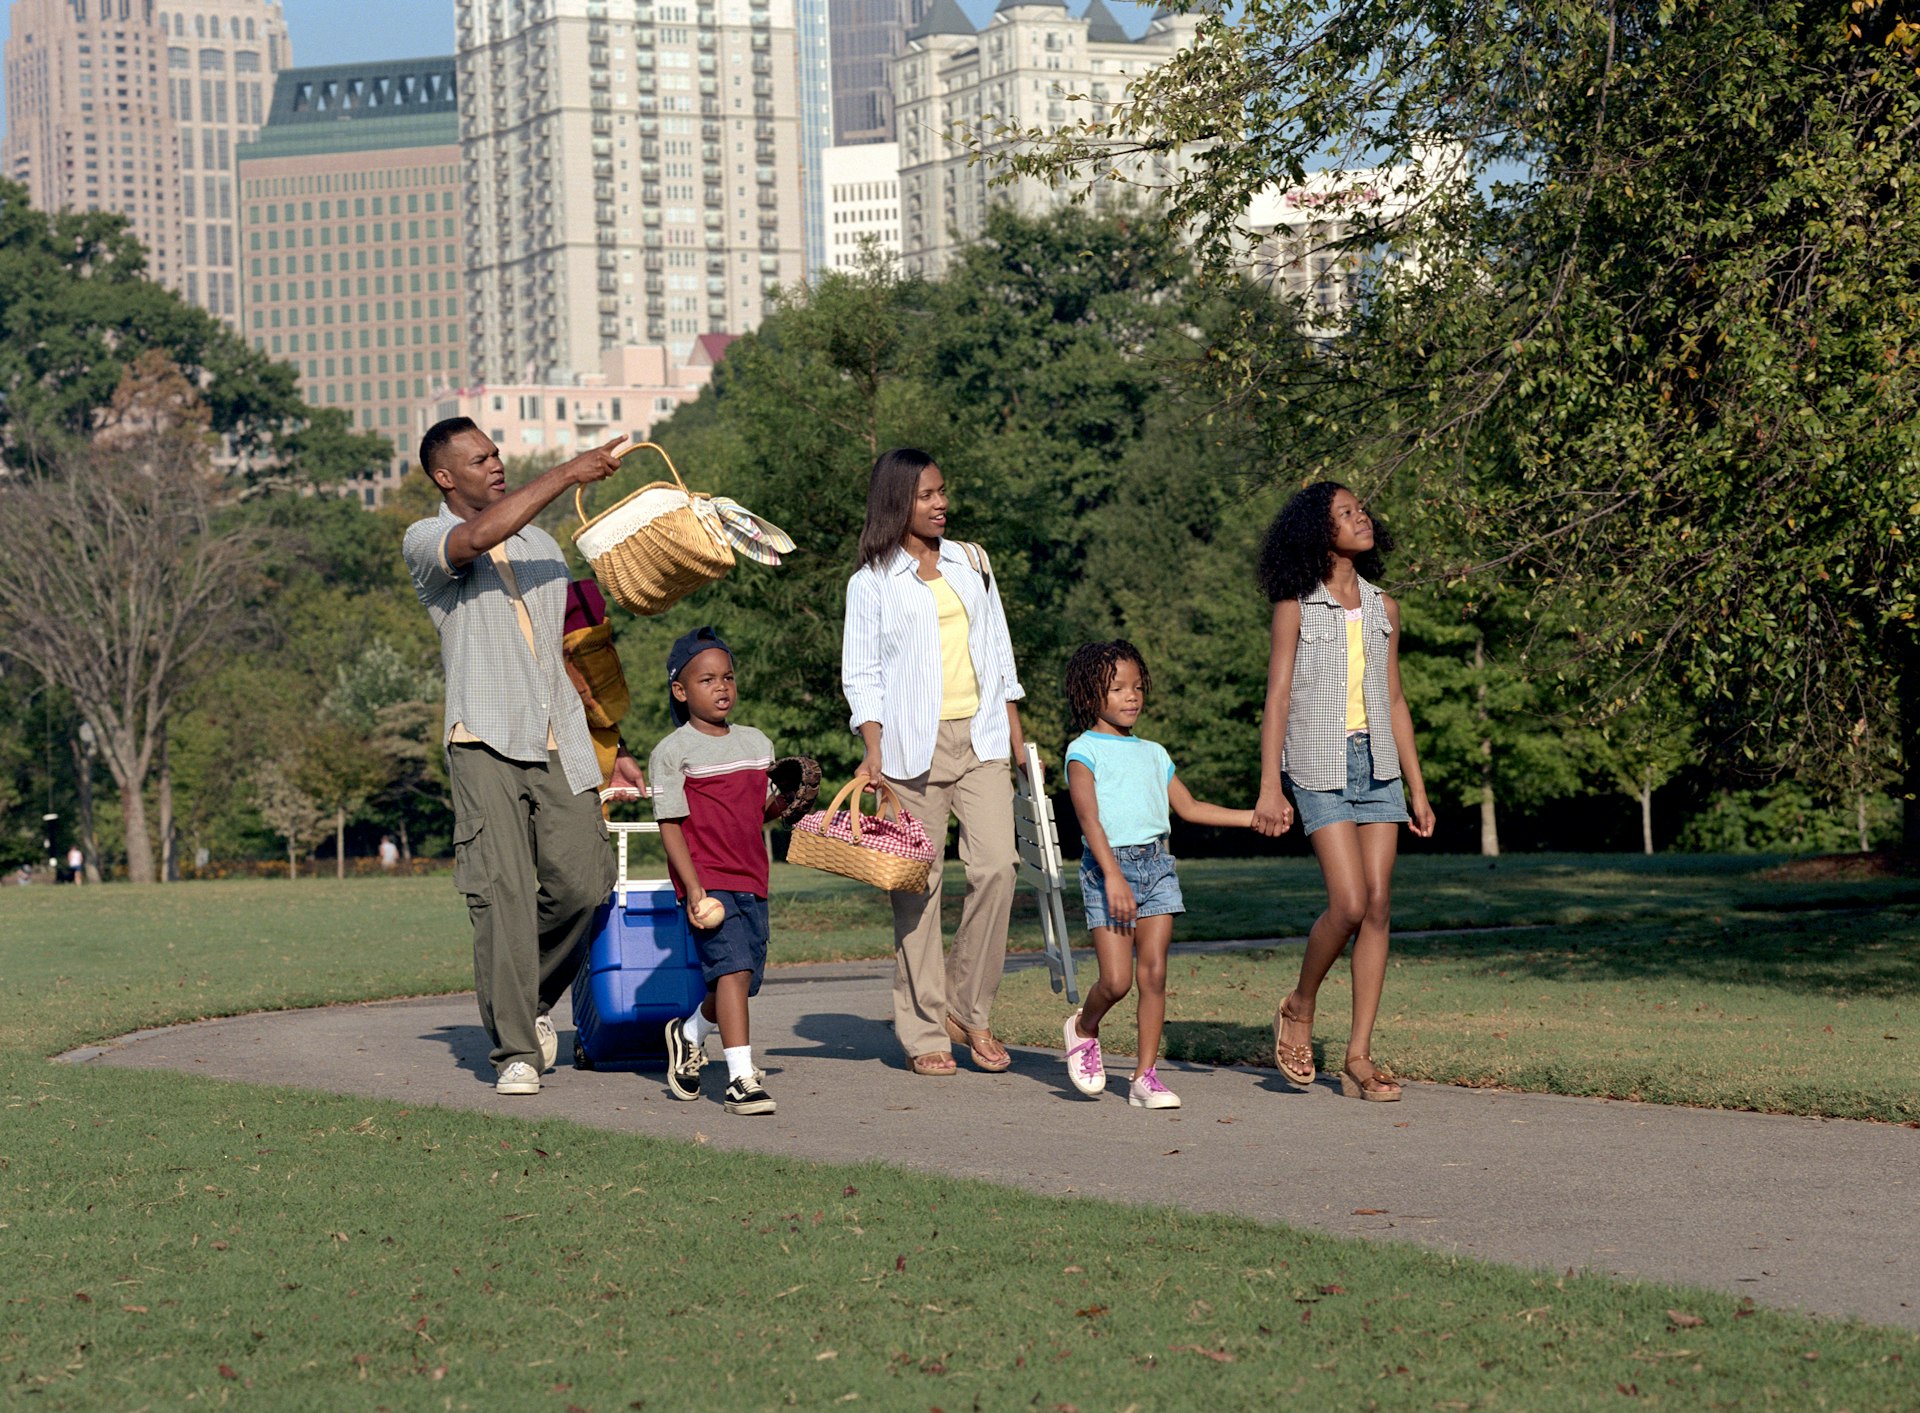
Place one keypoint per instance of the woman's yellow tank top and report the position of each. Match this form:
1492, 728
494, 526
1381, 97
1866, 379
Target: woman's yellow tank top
959, 688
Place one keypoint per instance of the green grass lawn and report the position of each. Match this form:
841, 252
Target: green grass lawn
1801, 1012
166, 1239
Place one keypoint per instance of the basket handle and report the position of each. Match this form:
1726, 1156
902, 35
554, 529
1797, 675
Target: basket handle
579, 504
884, 800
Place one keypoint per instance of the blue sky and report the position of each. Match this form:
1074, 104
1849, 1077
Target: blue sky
348, 31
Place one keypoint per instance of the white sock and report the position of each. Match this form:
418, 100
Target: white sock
698, 1028
739, 1061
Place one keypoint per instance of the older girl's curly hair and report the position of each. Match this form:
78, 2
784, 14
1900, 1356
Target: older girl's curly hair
1297, 555
1090, 676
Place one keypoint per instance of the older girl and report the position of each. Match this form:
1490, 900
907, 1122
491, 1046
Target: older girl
1338, 733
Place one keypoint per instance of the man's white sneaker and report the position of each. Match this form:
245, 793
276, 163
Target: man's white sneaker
549, 1041
517, 1078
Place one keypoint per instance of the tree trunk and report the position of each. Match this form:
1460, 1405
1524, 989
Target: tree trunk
406, 845
339, 843
83, 791
1906, 646
1860, 817
1489, 822
163, 792
133, 815
1646, 813
293, 861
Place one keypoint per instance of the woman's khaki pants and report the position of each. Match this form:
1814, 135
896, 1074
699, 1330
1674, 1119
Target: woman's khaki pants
926, 985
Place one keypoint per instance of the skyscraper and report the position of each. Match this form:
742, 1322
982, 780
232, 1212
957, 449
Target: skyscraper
352, 260
88, 127
632, 175
136, 106
867, 36
222, 56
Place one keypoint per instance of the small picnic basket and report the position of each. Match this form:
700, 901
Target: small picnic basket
654, 547
887, 849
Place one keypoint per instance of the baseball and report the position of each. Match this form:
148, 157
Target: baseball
708, 913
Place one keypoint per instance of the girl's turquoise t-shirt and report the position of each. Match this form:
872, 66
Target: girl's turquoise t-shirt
1130, 779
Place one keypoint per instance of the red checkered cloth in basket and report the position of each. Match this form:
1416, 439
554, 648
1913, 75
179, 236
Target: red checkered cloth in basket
903, 836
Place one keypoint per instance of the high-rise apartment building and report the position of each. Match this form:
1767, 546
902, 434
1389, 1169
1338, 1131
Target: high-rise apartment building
137, 106
222, 57
632, 175
88, 127
867, 36
349, 211
1035, 65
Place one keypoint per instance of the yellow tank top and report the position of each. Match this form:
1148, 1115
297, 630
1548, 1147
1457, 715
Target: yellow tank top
1356, 670
959, 688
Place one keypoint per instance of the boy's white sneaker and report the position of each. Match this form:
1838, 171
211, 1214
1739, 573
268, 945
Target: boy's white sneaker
517, 1078
1085, 1065
1147, 1092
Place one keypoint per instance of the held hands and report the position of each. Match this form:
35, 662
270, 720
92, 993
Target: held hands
1273, 815
1422, 812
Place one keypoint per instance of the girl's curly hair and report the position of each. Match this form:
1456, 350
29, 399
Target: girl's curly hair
1090, 676
1297, 555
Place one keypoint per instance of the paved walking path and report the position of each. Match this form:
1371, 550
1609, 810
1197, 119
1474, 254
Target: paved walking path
1823, 1215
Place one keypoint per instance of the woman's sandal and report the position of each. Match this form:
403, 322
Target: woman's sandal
1295, 1062
1377, 1084
995, 1057
933, 1064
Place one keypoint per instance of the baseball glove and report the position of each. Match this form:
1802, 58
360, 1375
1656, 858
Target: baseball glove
795, 781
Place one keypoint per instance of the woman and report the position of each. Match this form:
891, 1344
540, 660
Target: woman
928, 671
1338, 729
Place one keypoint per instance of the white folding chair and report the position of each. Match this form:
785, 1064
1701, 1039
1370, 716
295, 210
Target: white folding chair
1039, 843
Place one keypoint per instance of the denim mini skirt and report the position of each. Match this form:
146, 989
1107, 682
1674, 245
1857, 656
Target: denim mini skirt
1149, 871
1366, 800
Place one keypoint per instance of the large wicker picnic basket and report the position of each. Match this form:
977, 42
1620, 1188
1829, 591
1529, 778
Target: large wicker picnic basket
653, 547
888, 848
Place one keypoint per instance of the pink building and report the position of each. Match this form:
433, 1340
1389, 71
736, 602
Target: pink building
635, 388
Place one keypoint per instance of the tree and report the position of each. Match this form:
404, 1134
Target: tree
117, 581
1044, 374
289, 811
79, 311
1657, 349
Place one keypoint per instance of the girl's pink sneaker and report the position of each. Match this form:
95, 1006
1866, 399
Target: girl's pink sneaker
1147, 1092
1085, 1067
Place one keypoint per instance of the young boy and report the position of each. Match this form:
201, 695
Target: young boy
711, 798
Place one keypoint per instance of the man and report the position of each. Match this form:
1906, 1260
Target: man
530, 846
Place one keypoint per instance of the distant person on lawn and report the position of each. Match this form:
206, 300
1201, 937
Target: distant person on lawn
530, 844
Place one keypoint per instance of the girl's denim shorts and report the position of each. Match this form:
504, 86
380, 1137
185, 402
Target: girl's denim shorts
1366, 800
1149, 871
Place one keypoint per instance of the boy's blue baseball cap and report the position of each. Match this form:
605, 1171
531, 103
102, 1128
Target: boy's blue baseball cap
685, 649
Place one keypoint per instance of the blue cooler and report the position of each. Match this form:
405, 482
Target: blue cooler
641, 971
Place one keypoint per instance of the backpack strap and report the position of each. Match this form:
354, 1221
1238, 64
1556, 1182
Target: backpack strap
977, 557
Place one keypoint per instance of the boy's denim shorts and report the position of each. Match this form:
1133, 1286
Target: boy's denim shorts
1366, 800
738, 944
1149, 871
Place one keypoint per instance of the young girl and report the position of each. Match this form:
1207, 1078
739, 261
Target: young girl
1122, 787
1338, 731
